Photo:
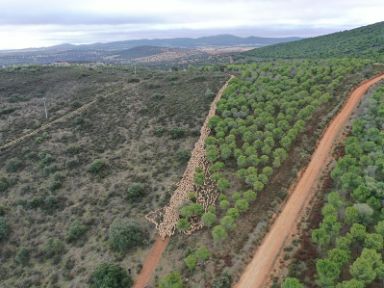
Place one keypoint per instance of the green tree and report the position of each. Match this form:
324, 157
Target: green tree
219, 233
191, 261
223, 184
233, 212
136, 191
125, 235
227, 222
183, 225
242, 205
368, 266
209, 218
353, 283
172, 280
328, 272
109, 275
291, 282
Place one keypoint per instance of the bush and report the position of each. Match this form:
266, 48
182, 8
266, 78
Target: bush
135, 191
125, 235
75, 231
22, 256
224, 281
177, 133
172, 280
4, 184
97, 166
4, 229
54, 248
183, 156
159, 131
110, 276
13, 165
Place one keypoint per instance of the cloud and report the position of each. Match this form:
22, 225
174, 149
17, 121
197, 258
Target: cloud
25, 23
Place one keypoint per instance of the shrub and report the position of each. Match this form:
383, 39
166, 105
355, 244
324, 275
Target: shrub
109, 275
172, 280
13, 165
177, 133
4, 184
97, 166
125, 235
224, 281
73, 149
183, 156
53, 248
135, 191
159, 131
22, 256
4, 229
75, 231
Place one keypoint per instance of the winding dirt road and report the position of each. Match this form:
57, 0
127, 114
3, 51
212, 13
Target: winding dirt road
259, 270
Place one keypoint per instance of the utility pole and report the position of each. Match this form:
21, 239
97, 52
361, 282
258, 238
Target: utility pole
45, 109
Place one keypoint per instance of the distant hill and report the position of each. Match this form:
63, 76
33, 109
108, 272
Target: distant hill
367, 41
210, 41
128, 51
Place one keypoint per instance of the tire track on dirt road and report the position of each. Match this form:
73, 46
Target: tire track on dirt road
259, 270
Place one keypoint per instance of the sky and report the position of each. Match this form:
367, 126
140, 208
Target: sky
38, 23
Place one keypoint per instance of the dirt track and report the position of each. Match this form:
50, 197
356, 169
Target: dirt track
151, 262
259, 269
171, 216
47, 125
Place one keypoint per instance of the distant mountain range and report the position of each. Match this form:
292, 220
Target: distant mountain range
128, 51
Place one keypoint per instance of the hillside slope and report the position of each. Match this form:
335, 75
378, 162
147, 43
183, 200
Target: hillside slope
60, 191
367, 41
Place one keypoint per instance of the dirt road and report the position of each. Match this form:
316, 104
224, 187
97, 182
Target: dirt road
259, 269
170, 217
151, 262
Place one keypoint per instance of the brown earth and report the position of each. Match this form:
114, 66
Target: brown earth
260, 268
151, 262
